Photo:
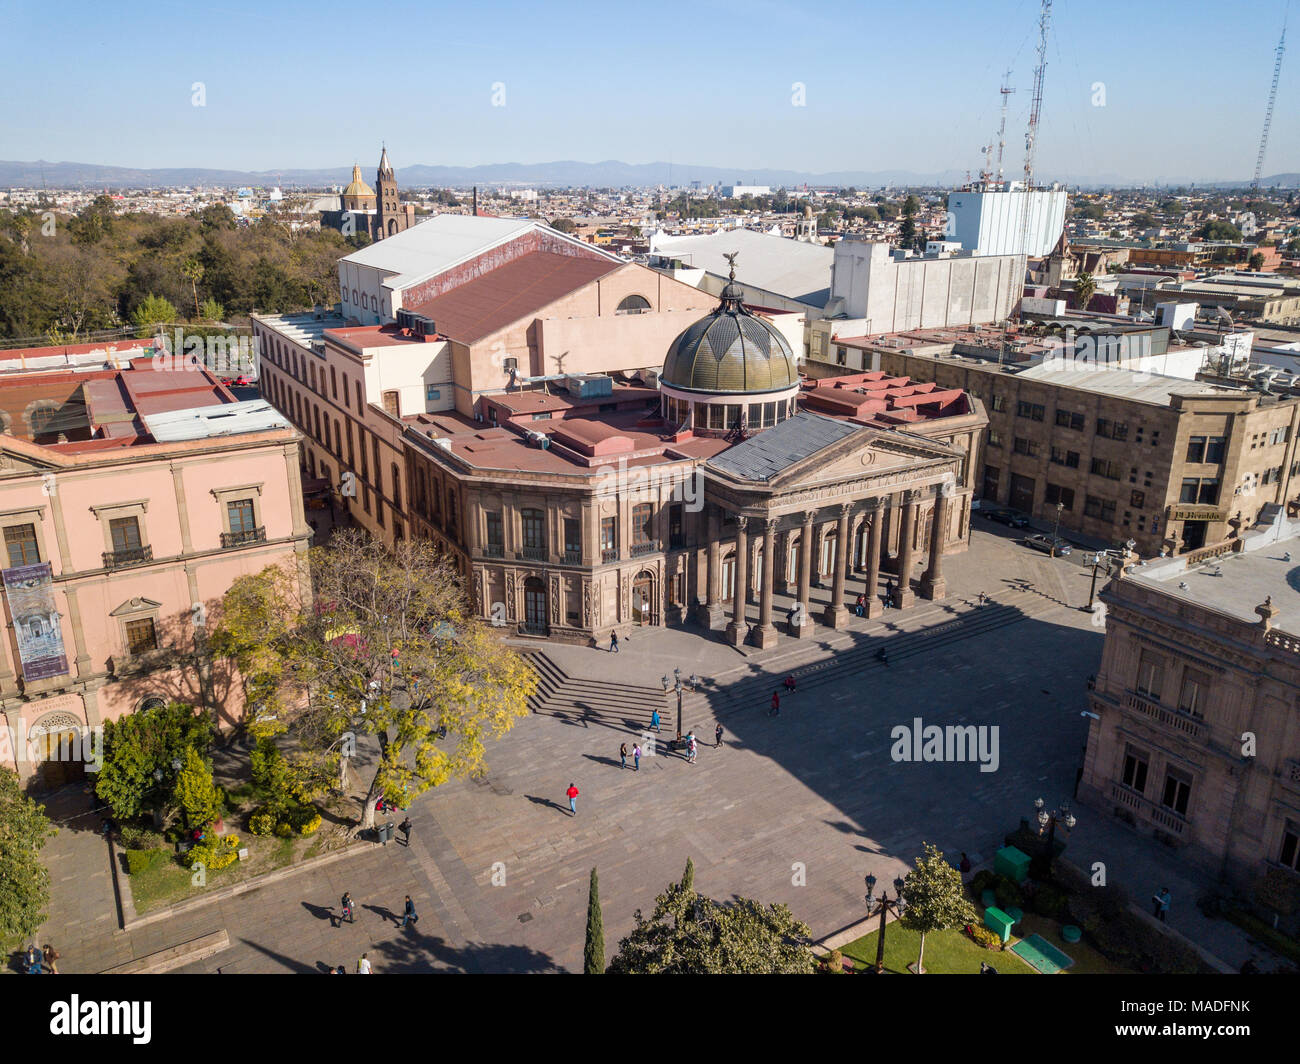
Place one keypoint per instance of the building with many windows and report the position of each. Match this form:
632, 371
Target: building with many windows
132, 494
1196, 740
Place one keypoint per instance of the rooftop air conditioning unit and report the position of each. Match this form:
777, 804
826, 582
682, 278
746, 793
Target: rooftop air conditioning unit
405, 318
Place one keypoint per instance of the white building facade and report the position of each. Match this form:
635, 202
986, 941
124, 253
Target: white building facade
991, 222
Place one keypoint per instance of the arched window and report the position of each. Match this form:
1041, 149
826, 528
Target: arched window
633, 305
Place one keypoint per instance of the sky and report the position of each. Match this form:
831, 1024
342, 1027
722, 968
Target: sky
1141, 90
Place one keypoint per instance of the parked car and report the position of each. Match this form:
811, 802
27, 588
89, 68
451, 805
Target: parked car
1045, 543
236, 382
1010, 518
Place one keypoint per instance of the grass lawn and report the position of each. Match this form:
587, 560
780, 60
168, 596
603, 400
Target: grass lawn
1087, 961
946, 953
168, 883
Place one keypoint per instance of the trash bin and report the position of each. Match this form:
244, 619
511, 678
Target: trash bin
386, 832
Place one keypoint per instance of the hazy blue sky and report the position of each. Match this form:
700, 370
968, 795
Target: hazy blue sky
909, 85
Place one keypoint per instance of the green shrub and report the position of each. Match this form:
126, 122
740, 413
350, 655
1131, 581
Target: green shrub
1050, 901
983, 936
137, 838
139, 861
214, 853
1008, 894
1275, 940
309, 824
262, 822
982, 881
283, 829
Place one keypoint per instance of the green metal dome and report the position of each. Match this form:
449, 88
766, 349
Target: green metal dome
730, 351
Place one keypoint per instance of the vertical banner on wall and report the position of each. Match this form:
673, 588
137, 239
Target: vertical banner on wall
30, 591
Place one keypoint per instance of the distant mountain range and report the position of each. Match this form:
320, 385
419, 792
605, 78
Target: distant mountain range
564, 173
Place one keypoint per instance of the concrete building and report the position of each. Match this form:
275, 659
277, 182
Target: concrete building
1170, 463
988, 219
736, 191
131, 495
886, 292
1196, 740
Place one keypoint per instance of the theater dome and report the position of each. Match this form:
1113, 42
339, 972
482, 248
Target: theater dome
730, 351
730, 372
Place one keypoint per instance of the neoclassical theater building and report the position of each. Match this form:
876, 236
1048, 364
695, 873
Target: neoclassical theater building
722, 490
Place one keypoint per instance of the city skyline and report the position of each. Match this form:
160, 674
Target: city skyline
446, 93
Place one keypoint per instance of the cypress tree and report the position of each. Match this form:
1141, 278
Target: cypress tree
688, 877
593, 956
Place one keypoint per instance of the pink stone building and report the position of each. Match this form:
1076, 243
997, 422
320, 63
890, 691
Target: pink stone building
131, 496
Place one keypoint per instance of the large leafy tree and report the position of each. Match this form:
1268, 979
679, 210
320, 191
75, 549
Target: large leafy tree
24, 881
689, 934
155, 310
935, 897
197, 795
381, 644
141, 744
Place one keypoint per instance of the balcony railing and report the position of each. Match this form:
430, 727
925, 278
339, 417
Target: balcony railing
122, 559
1157, 814
533, 554
534, 628
650, 546
609, 554
1183, 722
573, 557
243, 539
494, 550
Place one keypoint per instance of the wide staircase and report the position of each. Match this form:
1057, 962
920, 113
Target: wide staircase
603, 701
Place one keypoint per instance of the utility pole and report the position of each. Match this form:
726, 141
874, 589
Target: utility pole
1006, 92
1035, 112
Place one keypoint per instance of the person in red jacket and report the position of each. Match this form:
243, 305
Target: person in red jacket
572, 792
776, 704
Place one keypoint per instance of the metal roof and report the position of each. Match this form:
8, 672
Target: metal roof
435, 244
789, 268
202, 422
763, 456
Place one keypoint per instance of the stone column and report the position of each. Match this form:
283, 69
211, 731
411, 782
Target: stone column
802, 625
903, 594
874, 606
764, 635
710, 612
933, 585
737, 628
836, 616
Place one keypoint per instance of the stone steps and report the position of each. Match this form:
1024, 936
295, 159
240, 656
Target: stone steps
559, 693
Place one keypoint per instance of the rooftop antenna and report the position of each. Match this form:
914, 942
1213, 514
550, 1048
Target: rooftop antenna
1035, 111
1272, 98
1006, 91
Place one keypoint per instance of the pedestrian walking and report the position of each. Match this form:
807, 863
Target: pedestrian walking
51, 959
622, 755
889, 594
572, 793
775, 711
861, 606
964, 866
1161, 901
717, 735
654, 720
347, 909
636, 757
789, 684
405, 828
363, 965
408, 913
691, 750
613, 642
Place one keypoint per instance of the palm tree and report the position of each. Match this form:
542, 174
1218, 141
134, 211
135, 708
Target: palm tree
1084, 289
191, 269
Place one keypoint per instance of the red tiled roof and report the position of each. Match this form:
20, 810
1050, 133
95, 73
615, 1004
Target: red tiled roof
519, 289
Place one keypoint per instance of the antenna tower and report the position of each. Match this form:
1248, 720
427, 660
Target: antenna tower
1272, 98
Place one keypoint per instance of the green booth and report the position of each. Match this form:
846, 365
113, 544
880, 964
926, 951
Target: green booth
998, 922
1012, 863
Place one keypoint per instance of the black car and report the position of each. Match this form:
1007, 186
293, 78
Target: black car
1010, 518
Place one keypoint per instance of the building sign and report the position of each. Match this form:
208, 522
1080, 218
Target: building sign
1197, 513
30, 591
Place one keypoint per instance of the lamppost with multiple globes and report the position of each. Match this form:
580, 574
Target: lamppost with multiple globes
678, 684
1047, 822
883, 906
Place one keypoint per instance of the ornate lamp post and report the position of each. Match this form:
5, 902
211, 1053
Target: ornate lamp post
678, 685
1056, 528
1047, 822
883, 906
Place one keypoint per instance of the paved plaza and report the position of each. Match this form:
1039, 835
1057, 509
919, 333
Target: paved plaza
796, 808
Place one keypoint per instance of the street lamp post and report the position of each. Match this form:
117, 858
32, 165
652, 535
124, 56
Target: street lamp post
678, 685
1047, 821
1056, 528
883, 906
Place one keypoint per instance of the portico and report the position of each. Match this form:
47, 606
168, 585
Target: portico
800, 495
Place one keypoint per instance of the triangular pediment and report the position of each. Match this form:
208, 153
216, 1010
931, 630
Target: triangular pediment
16, 460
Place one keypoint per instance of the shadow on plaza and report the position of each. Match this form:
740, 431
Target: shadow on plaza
414, 952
